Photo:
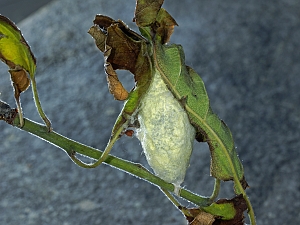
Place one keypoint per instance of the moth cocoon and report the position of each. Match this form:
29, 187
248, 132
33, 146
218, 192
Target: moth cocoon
165, 133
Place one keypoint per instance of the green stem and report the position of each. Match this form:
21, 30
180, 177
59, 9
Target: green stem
135, 169
104, 154
171, 197
184, 210
38, 103
216, 190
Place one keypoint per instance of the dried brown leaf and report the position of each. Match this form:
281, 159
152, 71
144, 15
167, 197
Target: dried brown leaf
166, 25
20, 82
114, 85
124, 49
121, 47
99, 37
20, 79
203, 218
146, 12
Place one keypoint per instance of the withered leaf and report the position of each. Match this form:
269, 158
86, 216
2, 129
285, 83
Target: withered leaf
20, 79
121, 47
20, 82
195, 216
99, 33
103, 21
114, 85
146, 12
166, 25
203, 218
199, 217
99, 37
124, 50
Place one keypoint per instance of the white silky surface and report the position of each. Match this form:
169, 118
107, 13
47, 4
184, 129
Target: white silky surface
165, 133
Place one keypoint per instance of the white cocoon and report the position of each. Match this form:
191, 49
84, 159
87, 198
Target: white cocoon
165, 132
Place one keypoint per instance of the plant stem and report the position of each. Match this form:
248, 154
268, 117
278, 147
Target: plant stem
38, 103
135, 169
183, 210
216, 190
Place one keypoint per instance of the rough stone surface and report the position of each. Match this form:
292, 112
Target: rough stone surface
248, 55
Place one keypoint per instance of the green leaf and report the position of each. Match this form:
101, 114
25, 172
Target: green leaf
226, 211
187, 86
14, 50
16, 53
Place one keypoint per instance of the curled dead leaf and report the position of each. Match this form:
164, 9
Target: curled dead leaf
203, 218
99, 37
20, 82
114, 85
166, 25
196, 216
121, 47
20, 79
146, 11
127, 50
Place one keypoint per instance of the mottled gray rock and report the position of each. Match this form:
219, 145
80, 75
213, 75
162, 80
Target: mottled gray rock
247, 52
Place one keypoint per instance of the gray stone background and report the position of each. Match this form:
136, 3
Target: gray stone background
247, 52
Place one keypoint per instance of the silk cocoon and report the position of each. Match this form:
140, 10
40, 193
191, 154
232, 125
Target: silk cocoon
165, 132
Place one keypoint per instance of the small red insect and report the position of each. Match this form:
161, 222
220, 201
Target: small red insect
129, 133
